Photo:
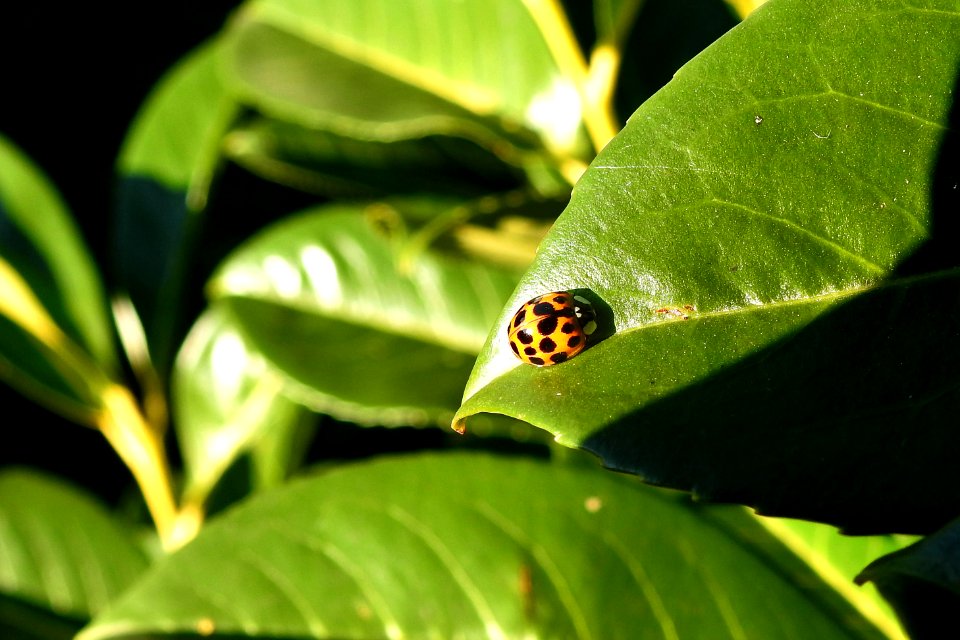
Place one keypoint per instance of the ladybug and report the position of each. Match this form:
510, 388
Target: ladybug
551, 328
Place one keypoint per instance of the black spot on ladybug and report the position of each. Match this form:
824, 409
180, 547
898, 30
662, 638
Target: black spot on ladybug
568, 327
525, 336
574, 341
518, 319
542, 309
513, 345
537, 361
561, 300
530, 351
547, 345
548, 325
557, 358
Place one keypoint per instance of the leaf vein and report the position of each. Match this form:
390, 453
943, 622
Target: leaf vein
449, 560
550, 568
280, 582
355, 573
822, 240
647, 587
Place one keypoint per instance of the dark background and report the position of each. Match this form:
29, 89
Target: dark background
73, 77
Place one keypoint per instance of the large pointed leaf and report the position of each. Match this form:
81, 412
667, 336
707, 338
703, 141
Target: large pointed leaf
372, 327
43, 244
62, 555
792, 193
53, 322
475, 546
377, 69
226, 399
166, 167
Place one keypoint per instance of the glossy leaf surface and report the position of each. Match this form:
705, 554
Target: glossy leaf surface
795, 205
476, 546
380, 70
339, 166
371, 326
226, 400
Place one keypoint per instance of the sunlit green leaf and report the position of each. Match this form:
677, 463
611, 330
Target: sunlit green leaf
226, 401
372, 326
476, 546
63, 559
838, 559
768, 243
381, 70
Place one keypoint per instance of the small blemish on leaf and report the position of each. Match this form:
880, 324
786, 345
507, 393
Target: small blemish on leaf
757, 119
206, 626
593, 504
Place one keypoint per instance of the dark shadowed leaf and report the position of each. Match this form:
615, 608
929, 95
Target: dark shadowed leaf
166, 167
329, 164
922, 582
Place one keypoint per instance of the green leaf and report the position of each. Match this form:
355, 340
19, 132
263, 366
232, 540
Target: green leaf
328, 164
41, 241
838, 559
478, 546
798, 199
371, 327
227, 400
922, 582
64, 557
166, 167
379, 70
50, 282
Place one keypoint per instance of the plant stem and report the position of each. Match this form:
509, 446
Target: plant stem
141, 449
595, 101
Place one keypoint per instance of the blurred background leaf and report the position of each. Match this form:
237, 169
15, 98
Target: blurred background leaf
166, 169
64, 556
356, 305
328, 164
228, 402
381, 71
922, 582
54, 326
